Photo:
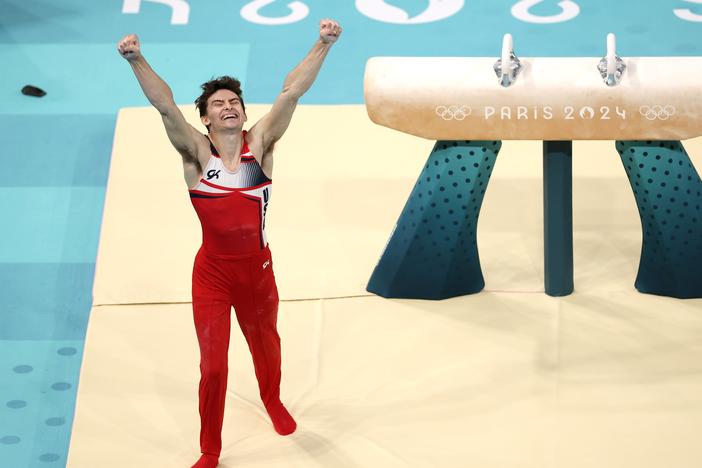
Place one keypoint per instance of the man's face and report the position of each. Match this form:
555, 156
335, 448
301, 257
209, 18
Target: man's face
224, 111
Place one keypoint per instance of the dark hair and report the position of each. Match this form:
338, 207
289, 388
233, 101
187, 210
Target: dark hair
214, 85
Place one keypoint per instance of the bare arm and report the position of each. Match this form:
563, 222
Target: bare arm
181, 134
272, 126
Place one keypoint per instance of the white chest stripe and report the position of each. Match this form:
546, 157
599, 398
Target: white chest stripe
249, 174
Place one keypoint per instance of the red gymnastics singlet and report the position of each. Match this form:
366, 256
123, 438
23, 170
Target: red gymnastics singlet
232, 205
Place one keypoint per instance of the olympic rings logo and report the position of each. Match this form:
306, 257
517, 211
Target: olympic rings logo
453, 112
657, 112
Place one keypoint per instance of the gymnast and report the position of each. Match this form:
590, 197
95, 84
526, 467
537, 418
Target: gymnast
228, 172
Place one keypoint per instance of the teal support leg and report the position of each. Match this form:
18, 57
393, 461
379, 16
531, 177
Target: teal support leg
433, 252
558, 217
668, 194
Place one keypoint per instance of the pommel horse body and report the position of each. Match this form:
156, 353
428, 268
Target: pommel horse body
646, 104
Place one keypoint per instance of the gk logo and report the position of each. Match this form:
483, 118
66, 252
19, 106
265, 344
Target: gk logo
213, 174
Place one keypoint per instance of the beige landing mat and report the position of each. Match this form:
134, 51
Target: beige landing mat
340, 182
506, 378
495, 380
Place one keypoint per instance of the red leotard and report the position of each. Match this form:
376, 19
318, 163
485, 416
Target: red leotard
233, 268
232, 205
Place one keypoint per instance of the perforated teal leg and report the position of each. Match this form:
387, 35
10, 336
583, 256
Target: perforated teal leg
432, 252
668, 193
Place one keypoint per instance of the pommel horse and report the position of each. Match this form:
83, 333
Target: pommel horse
646, 104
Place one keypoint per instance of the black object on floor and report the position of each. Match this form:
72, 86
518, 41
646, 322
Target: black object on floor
30, 90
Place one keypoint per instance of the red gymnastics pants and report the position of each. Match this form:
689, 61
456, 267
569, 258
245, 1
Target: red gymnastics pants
249, 286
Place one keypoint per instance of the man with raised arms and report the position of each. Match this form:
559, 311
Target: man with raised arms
229, 176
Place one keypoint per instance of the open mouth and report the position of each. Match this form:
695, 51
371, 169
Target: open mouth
231, 116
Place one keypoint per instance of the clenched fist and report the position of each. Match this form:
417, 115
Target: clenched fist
129, 47
329, 31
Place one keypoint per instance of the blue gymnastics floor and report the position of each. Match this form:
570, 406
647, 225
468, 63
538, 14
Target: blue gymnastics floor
56, 149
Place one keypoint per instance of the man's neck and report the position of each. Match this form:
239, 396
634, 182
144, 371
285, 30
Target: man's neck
228, 143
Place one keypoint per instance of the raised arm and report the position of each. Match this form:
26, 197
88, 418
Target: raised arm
182, 135
272, 126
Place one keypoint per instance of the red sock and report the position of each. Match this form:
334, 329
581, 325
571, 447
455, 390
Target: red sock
206, 461
283, 423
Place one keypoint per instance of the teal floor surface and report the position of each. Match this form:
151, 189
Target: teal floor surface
55, 150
